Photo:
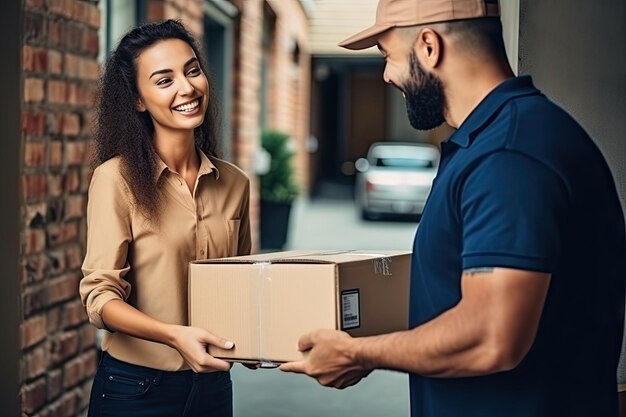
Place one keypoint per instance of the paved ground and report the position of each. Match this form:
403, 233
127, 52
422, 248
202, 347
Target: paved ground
328, 224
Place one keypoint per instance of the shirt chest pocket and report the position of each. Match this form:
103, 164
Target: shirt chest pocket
232, 229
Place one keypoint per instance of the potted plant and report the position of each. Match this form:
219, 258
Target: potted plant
278, 190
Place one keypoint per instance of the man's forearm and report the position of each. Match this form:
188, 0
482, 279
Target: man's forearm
451, 345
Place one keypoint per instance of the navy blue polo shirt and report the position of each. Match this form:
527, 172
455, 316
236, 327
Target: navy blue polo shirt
521, 185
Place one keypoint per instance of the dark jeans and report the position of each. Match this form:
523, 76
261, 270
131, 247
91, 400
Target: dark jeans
122, 389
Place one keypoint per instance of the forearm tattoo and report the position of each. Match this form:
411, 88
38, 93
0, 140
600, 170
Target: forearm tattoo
481, 270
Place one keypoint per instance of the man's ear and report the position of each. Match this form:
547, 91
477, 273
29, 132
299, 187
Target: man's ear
429, 48
139, 106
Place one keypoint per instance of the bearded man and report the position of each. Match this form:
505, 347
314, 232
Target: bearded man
517, 281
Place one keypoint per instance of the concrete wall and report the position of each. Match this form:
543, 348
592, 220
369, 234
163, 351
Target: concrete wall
575, 51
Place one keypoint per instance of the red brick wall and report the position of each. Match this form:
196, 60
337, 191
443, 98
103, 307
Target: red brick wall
60, 46
290, 80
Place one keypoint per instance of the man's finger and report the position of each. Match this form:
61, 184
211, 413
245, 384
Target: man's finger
297, 367
305, 342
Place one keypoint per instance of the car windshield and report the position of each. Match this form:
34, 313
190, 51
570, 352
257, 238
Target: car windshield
404, 163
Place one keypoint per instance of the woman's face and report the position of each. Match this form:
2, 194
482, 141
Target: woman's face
172, 87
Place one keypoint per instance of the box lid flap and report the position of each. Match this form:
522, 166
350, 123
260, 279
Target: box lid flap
306, 257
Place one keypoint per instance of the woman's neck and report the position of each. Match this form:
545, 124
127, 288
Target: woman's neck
178, 151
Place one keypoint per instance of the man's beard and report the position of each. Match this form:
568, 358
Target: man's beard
425, 100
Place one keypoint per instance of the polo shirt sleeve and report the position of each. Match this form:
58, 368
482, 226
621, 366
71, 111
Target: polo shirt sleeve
108, 237
512, 209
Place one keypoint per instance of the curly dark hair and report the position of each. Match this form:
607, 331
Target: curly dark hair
122, 130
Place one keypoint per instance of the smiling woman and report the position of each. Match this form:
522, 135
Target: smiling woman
159, 198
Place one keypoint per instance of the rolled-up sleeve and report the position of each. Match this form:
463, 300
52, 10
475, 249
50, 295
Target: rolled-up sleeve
108, 237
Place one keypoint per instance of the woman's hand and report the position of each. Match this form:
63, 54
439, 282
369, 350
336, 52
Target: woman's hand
192, 342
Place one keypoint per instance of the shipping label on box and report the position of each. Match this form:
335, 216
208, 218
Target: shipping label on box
265, 302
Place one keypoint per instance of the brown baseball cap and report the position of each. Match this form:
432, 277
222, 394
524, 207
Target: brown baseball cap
393, 13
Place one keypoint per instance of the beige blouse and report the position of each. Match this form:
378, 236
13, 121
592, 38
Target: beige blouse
130, 259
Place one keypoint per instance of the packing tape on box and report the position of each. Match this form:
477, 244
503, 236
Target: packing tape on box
263, 303
382, 263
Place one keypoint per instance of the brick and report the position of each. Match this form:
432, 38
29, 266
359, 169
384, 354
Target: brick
36, 266
33, 300
33, 331
72, 65
60, 7
80, 12
55, 62
73, 94
34, 59
34, 27
70, 402
33, 241
64, 346
74, 314
90, 361
75, 206
88, 94
33, 122
74, 256
73, 373
54, 320
35, 154
56, 33
95, 19
55, 158
35, 4
71, 124
55, 185
34, 90
75, 153
33, 396
74, 37
55, 384
89, 69
34, 186
36, 362
57, 92
72, 181
62, 288
91, 43
57, 260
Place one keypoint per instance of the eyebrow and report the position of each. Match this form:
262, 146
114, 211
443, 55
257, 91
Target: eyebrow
166, 70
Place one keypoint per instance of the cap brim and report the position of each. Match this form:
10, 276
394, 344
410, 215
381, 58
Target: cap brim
364, 39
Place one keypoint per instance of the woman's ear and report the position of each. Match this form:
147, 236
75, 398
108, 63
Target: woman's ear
139, 106
428, 48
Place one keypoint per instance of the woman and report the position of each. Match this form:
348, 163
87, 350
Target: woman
158, 199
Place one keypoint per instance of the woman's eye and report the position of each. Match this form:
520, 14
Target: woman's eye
163, 81
194, 71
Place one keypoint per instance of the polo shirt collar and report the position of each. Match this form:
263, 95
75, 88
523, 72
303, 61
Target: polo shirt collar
505, 91
206, 166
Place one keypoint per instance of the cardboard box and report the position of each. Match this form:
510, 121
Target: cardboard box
265, 302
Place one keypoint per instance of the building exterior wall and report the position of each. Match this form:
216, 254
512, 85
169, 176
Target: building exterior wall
60, 69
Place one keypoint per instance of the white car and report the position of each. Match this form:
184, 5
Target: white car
395, 178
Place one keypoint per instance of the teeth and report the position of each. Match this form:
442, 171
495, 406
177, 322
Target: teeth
188, 107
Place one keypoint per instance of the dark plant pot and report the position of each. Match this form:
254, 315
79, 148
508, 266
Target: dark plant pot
274, 224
